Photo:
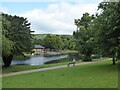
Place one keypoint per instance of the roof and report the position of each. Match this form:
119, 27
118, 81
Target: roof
38, 46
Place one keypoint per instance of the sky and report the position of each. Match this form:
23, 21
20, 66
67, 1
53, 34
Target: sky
51, 17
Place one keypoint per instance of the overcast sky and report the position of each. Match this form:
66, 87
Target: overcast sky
51, 17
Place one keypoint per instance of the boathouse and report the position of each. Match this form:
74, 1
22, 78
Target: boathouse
38, 49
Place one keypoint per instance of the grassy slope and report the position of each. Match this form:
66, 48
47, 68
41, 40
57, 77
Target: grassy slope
97, 75
42, 36
39, 36
16, 68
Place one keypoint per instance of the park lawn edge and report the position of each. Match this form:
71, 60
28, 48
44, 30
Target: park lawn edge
66, 76
18, 68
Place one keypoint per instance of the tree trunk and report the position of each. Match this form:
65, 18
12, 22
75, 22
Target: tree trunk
7, 60
113, 61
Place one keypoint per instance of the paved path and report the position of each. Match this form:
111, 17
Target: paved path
48, 68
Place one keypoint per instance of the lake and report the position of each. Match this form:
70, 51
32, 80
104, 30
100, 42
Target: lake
46, 59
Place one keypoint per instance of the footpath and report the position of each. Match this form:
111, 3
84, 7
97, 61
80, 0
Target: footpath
49, 68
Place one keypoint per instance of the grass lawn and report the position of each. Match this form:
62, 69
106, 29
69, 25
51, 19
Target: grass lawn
67, 51
100, 59
96, 75
16, 68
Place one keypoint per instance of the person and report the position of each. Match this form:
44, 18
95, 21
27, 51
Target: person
73, 62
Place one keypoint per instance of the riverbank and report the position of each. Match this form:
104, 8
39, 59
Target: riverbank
67, 51
61, 52
17, 68
49, 68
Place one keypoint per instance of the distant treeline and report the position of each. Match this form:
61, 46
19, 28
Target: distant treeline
54, 41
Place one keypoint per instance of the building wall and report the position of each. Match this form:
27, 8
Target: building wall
38, 50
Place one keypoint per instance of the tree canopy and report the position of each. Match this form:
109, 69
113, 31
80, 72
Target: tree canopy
55, 42
100, 32
16, 31
107, 26
84, 36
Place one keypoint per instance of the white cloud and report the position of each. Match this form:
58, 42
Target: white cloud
58, 18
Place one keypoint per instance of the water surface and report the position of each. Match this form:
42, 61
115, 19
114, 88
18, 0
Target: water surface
38, 60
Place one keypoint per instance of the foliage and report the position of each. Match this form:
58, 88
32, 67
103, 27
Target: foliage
39, 36
69, 42
7, 46
100, 34
84, 36
0, 38
16, 30
54, 41
107, 26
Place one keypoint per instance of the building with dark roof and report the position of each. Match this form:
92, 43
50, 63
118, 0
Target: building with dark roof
38, 49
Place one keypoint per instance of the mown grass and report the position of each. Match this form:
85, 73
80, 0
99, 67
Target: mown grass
96, 75
17, 68
100, 59
67, 51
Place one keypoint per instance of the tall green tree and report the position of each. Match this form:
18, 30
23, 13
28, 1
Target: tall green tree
107, 28
7, 47
69, 42
84, 36
53, 42
17, 30
57, 43
48, 41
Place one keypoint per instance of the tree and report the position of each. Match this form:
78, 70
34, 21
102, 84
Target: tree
72, 44
17, 30
57, 43
69, 42
36, 41
53, 42
84, 36
48, 42
107, 26
7, 47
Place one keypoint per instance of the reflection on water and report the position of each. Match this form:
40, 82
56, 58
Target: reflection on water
46, 59
39, 60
